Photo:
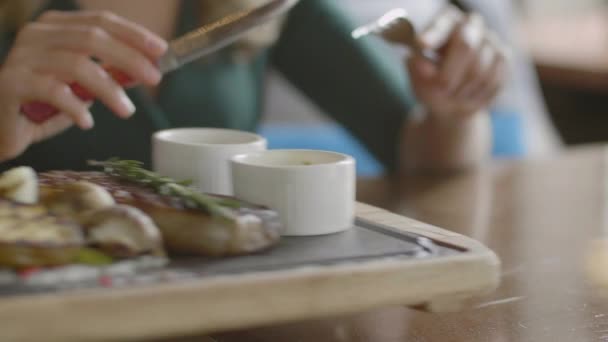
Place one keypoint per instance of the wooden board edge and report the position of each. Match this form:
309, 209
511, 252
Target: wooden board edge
222, 304
403, 223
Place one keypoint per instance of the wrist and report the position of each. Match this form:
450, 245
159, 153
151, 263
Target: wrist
444, 144
423, 115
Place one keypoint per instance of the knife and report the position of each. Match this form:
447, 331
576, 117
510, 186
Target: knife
183, 50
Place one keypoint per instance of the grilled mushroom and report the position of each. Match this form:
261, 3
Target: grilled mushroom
19, 184
75, 198
185, 230
31, 237
123, 231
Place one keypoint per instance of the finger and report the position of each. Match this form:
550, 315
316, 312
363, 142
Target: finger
422, 73
51, 127
438, 32
461, 52
500, 47
47, 89
96, 42
421, 68
131, 33
493, 84
74, 67
485, 98
478, 74
472, 107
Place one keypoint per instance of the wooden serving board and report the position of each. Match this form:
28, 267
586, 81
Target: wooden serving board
388, 260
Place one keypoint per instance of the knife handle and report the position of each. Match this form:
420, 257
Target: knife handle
39, 112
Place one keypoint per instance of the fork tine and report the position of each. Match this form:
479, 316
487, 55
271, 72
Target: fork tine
386, 20
365, 30
390, 16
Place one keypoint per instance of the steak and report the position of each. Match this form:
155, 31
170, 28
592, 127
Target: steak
184, 230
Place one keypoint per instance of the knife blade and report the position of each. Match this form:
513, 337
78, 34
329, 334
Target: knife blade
193, 45
216, 35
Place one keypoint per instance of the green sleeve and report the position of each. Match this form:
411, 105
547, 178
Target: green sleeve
354, 81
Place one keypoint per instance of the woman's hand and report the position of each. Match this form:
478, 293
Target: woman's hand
59, 49
454, 93
470, 70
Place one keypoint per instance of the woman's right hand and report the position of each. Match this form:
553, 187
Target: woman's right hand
59, 49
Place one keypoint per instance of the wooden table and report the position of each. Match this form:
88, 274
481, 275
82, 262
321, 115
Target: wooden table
547, 220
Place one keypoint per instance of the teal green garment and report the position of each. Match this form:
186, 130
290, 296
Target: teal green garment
350, 80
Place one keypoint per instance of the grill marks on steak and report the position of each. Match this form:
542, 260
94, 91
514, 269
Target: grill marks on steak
122, 191
184, 230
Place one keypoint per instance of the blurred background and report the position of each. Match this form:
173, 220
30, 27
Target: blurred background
568, 41
555, 95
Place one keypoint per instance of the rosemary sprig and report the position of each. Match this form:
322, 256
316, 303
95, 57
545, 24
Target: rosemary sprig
133, 171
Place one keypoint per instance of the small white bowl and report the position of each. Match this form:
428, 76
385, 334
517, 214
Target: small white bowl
202, 155
312, 191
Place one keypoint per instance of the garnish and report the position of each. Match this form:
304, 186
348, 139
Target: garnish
89, 256
133, 171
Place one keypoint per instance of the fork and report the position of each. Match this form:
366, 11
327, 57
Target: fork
396, 27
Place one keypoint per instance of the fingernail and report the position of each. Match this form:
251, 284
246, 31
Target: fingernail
87, 121
473, 32
153, 74
158, 46
126, 102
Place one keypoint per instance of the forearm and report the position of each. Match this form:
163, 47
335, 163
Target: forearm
446, 145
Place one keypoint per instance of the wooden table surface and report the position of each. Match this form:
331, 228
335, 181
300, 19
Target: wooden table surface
547, 221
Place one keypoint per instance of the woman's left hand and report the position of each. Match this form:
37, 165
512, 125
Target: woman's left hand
470, 70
